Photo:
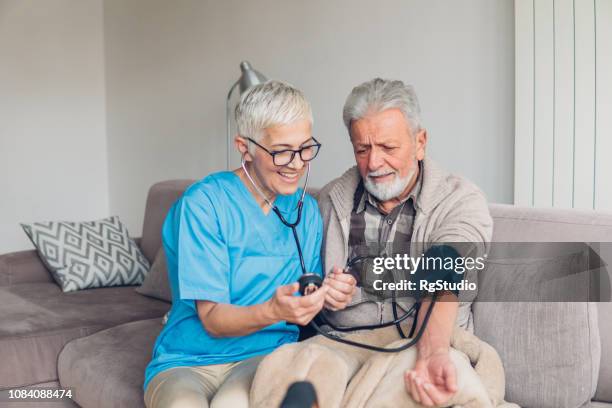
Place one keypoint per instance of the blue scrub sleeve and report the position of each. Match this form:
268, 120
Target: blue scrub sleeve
203, 260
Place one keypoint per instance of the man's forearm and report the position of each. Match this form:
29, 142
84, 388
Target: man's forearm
437, 334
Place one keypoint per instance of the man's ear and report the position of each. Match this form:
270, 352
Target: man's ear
242, 144
421, 144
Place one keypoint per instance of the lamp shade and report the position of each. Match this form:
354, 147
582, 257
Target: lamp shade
250, 77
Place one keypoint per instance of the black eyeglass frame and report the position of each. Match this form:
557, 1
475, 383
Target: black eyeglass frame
293, 152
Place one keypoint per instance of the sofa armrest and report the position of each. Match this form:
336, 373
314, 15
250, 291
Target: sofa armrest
22, 267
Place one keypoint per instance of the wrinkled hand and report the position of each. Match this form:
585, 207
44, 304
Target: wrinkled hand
296, 309
340, 289
433, 380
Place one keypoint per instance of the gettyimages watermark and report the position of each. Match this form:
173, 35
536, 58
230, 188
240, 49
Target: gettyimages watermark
498, 272
403, 264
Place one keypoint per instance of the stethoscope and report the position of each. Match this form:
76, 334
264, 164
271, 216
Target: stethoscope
310, 282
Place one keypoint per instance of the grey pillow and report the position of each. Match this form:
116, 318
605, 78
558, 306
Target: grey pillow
156, 283
82, 255
550, 350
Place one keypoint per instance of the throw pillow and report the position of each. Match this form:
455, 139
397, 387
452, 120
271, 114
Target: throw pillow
82, 255
550, 347
156, 283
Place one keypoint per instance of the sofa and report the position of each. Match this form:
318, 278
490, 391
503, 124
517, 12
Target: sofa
97, 342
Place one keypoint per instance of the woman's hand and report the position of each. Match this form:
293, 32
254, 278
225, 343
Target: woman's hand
296, 309
225, 320
341, 287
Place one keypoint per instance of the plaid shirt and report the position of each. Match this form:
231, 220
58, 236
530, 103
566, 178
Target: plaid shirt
373, 232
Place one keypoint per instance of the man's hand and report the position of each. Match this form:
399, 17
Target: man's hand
296, 309
433, 380
340, 288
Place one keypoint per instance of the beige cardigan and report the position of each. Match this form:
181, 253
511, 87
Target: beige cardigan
449, 209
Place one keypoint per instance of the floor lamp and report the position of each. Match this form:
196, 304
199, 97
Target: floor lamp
248, 79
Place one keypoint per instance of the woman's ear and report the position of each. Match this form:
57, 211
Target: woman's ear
242, 145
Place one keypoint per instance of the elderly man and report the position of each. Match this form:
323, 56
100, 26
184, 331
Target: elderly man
395, 195
396, 198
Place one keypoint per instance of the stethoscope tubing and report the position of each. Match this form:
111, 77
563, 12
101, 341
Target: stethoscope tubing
406, 346
396, 321
273, 206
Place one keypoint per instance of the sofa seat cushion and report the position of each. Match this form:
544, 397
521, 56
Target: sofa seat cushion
38, 319
107, 368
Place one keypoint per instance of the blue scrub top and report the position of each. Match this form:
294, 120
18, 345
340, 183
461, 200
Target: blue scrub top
221, 247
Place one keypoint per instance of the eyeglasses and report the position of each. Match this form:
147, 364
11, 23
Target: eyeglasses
284, 157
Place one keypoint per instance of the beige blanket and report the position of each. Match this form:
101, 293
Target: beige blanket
345, 376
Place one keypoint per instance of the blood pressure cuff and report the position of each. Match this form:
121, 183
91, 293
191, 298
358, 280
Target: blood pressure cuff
438, 270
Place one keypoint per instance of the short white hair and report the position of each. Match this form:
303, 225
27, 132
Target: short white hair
272, 103
378, 95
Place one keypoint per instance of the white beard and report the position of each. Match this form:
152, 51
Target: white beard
389, 190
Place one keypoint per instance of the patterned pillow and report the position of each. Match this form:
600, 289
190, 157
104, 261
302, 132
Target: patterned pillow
93, 254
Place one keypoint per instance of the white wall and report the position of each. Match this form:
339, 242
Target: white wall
147, 80
563, 103
53, 161
169, 66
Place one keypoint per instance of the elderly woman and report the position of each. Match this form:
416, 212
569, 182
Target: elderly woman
234, 266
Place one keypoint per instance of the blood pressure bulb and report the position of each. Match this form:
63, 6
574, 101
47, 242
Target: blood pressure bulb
309, 283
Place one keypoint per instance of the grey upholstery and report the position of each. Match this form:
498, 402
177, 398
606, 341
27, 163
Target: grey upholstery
156, 284
604, 387
159, 200
107, 368
551, 351
22, 267
38, 319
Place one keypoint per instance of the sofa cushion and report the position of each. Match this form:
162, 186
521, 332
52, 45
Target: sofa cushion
159, 200
107, 368
604, 387
92, 254
38, 319
156, 284
551, 351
